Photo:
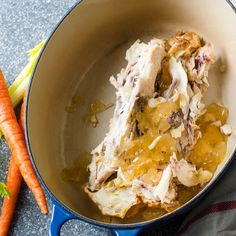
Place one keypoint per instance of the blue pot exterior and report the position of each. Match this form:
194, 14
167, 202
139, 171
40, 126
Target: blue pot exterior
61, 215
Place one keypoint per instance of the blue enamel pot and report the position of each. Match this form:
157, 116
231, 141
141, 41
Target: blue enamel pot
83, 51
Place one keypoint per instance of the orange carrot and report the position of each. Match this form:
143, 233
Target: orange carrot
14, 180
15, 138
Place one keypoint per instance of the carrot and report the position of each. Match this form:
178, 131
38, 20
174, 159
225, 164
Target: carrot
14, 180
15, 139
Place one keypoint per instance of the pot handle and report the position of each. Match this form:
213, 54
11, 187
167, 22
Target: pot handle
58, 218
126, 232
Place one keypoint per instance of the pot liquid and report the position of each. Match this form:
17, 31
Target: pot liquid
208, 152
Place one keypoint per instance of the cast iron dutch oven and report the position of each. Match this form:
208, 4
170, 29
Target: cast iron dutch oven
84, 50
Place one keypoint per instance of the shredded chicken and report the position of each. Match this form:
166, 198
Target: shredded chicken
154, 142
179, 84
226, 129
184, 44
144, 63
177, 133
153, 102
162, 192
156, 119
187, 173
113, 201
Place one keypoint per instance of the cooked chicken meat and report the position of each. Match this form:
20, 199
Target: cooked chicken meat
159, 125
144, 63
114, 201
187, 174
162, 192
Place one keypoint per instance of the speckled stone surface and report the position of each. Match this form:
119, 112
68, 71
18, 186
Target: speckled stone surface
23, 24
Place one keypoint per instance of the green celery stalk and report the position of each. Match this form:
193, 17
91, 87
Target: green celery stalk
17, 95
21, 83
26, 72
36, 49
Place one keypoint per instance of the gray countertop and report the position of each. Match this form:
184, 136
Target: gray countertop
23, 24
